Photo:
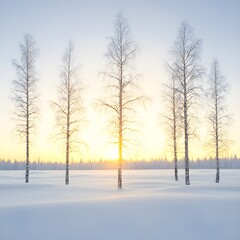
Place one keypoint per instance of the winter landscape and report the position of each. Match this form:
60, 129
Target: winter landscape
119, 120
151, 206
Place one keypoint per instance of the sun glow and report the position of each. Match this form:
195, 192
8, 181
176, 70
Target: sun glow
149, 140
112, 153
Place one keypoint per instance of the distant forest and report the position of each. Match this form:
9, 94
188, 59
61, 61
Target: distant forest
225, 163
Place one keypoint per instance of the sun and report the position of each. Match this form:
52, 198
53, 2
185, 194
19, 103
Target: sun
112, 153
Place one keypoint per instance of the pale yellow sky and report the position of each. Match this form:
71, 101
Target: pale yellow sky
154, 26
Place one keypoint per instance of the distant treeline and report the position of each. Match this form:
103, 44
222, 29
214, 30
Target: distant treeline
225, 163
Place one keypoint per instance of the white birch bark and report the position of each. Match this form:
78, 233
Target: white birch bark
25, 96
68, 108
120, 55
219, 118
186, 69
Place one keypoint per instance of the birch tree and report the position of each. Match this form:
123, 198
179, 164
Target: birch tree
186, 69
24, 94
219, 118
122, 85
68, 108
172, 120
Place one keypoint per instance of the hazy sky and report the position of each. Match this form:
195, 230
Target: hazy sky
88, 24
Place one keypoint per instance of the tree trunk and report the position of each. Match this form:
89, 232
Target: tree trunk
27, 154
120, 159
68, 131
187, 178
27, 128
175, 160
67, 161
217, 126
67, 152
175, 135
120, 169
120, 138
218, 171
217, 150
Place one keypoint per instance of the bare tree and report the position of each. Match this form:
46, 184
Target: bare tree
172, 117
187, 71
24, 94
120, 55
219, 118
68, 108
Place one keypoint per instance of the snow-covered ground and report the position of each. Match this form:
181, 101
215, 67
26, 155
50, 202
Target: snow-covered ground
152, 206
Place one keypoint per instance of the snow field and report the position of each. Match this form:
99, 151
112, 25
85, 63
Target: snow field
152, 206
